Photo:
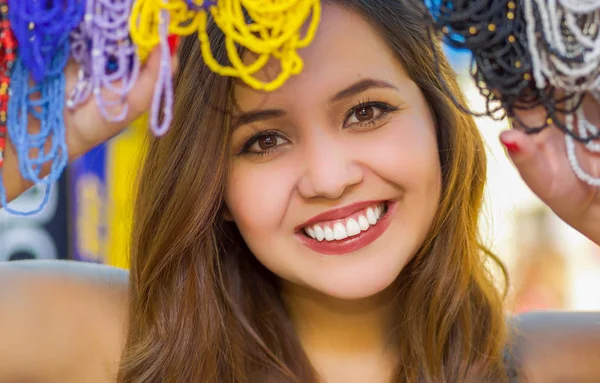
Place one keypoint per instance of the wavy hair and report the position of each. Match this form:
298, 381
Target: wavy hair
203, 309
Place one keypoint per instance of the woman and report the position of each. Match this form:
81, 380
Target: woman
326, 231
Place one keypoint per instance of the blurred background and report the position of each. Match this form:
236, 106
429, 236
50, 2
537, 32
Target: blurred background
89, 219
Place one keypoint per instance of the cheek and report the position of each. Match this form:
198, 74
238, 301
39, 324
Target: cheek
257, 196
406, 153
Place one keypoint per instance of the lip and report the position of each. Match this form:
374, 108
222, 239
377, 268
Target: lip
338, 213
350, 244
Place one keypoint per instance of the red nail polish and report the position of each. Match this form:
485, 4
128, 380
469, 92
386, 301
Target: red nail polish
512, 147
173, 43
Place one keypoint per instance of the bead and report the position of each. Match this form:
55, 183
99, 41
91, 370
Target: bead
7, 58
574, 162
107, 40
492, 27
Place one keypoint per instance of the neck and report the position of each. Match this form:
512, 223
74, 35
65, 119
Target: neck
332, 329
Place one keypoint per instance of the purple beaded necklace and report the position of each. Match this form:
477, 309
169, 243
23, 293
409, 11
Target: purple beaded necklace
109, 66
160, 118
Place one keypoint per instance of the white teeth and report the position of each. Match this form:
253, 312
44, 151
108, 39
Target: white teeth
363, 223
319, 234
339, 232
371, 217
352, 227
328, 233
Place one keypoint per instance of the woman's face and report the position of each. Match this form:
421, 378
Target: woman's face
335, 178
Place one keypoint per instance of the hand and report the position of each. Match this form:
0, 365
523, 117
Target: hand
87, 128
541, 159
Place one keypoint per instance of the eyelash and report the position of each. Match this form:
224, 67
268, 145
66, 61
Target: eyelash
252, 140
384, 107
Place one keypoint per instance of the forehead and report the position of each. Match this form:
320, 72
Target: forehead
346, 48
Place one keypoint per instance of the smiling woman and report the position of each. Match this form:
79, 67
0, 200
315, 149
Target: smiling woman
326, 231
328, 228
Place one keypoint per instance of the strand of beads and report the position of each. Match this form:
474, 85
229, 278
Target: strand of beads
523, 58
41, 28
501, 66
42, 31
274, 32
584, 129
565, 45
107, 58
564, 41
151, 22
8, 46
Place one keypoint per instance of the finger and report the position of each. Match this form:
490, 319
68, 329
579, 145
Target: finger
531, 155
139, 98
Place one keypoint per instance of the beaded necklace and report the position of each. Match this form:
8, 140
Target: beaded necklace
8, 46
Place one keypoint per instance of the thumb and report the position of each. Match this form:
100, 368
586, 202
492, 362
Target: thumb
530, 160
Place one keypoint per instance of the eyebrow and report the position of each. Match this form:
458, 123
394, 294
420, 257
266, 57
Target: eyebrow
360, 87
354, 89
257, 115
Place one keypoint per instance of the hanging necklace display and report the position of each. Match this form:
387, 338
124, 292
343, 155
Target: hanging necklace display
42, 31
274, 32
523, 52
564, 41
112, 42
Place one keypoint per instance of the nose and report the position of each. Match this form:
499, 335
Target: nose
331, 167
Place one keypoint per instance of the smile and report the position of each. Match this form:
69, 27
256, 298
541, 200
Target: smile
351, 226
350, 233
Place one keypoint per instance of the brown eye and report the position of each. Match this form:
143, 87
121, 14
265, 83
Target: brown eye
267, 142
365, 113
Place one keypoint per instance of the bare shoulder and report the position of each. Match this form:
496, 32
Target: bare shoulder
558, 347
65, 318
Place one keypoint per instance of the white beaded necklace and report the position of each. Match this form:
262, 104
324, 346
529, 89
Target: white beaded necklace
585, 129
566, 51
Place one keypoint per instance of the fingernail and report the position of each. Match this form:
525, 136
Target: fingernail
512, 147
173, 43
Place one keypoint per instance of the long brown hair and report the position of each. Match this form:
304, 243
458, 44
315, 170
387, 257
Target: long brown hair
203, 309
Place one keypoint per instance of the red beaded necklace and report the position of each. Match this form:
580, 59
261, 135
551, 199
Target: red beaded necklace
8, 55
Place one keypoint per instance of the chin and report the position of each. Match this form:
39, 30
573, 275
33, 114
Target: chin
356, 285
